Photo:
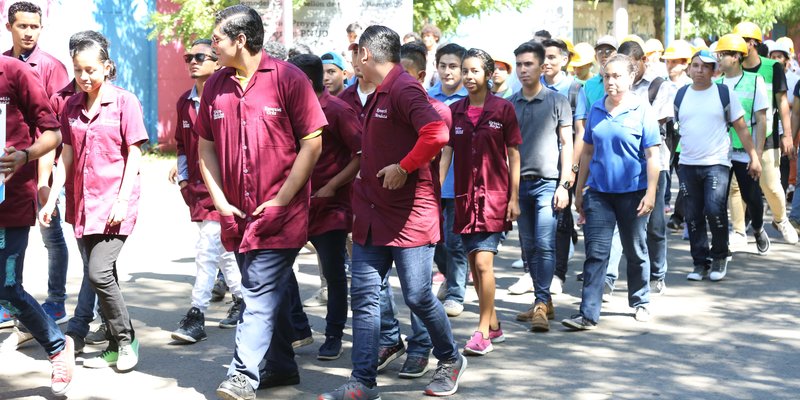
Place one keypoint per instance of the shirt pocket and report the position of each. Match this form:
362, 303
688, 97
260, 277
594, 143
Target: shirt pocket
271, 221
275, 131
493, 205
230, 232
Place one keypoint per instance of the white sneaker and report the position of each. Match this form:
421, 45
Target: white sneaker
786, 230
16, 340
319, 299
642, 314
523, 285
519, 264
453, 308
556, 285
737, 239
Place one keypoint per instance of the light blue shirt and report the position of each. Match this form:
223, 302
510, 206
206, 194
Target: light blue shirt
448, 189
562, 87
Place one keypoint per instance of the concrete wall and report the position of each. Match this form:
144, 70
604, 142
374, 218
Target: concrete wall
591, 23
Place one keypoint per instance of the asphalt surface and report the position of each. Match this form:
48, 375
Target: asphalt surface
735, 339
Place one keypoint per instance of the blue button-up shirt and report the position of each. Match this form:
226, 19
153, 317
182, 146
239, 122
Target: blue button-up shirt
448, 190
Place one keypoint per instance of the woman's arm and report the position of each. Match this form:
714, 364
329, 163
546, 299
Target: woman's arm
512, 213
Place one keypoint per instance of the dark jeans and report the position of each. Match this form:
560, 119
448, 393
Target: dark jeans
14, 298
537, 230
657, 232
565, 230
751, 194
332, 251
57, 259
371, 264
265, 327
705, 191
87, 300
456, 273
102, 252
603, 211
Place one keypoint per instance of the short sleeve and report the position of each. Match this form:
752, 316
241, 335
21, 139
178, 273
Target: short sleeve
761, 100
580, 105
349, 128
66, 129
202, 124
736, 108
132, 120
513, 136
778, 78
302, 106
587, 133
563, 110
651, 134
34, 102
412, 104
662, 104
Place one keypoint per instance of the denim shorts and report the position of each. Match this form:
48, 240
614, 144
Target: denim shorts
481, 241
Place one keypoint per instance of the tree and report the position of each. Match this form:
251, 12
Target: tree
716, 18
446, 14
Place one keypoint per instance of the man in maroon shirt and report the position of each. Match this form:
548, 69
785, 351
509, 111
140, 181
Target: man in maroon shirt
26, 113
396, 209
259, 124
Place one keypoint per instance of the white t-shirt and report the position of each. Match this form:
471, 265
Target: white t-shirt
662, 105
760, 102
704, 132
362, 96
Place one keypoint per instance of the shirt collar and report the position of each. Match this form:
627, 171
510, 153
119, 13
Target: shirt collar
539, 96
389, 79
632, 105
563, 76
27, 57
193, 96
437, 93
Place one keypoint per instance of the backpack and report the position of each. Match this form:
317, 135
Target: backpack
572, 95
724, 96
652, 90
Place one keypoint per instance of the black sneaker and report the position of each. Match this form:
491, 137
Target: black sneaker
698, 273
352, 390
78, 342
234, 314
220, 288
331, 349
675, 223
719, 268
236, 387
414, 367
445, 379
578, 323
98, 336
192, 327
269, 379
388, 354
762, 242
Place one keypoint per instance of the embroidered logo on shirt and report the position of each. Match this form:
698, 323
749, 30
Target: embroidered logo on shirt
381, 113
5, 100
186, 124
272, 110
495, 125
219, 114
459, 130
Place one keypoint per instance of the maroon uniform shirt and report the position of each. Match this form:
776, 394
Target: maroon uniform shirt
28, 112
350, 96
341, 141
408, 216
52, 72
481, 164
256, 133
195, 193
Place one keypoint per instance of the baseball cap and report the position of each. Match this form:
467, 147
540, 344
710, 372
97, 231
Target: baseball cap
706, 57
607, 40
333, 58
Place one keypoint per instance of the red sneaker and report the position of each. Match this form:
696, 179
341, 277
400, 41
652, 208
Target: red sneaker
63, 366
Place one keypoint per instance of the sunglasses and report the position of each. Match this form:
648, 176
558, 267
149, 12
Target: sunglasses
199, 57
604, 52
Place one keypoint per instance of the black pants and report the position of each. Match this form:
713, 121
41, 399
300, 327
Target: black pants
565, 232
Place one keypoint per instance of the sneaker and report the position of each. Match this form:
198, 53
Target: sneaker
63, 367
97, 336
319, 299
16, 340
642, 314
77, 342
698, 273
786, 230
388, 354
578, 323
236, 387
442, 292
438, 278
658, 287
496, 335
539, 322
414, 367
128, 356
303, 342
331, 349
445, 379
55, 310
192, 327
579, 277
234, 314
608, 291
674, 223
737, 239
352, 390
269, 379
519, 264
556, 285
108, 358
523, 285
795, 224
6, 319
219, 290
453, 308
762, 242
478, 345
718, 269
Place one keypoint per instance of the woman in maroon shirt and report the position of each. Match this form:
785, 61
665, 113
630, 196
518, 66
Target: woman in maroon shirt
483, 140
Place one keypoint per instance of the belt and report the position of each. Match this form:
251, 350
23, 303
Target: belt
735, 150
535, 178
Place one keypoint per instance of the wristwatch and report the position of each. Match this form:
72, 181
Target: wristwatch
566, 185
575, 168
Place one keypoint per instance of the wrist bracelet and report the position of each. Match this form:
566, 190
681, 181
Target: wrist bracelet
26, 155
401, 170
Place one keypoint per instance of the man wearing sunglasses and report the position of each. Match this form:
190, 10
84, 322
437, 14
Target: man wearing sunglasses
202, 63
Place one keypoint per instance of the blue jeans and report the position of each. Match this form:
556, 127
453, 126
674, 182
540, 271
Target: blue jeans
456, 256
332, 251
371, 264
14, 298
57, 259
419, 343
265, 327
84, 310
537, 230
705, 194
603, 211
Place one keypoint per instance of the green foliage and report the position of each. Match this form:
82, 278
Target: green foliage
446, 14
707, 17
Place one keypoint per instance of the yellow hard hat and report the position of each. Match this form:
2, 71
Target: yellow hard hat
583, 55
788, 42
677, 50
568, 42
748, 30
731, 42
633, 38
653, 45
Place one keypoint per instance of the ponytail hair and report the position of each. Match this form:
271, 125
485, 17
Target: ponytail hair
102, 53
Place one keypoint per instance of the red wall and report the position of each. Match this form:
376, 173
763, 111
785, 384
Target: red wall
173, 80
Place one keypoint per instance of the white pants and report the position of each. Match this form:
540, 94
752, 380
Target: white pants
210, 257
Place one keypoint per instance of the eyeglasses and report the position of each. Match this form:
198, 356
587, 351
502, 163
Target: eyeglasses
722, 54
604, 52
199, 57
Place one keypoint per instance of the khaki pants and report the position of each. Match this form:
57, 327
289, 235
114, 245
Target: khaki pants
770, 183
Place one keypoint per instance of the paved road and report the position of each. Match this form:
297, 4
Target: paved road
737, 339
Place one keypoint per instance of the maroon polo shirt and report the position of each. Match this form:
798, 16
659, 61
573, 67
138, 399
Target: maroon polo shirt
341, 141
52, 72
195, 193
350, 96
256, 134
57, 101
28, 112
405, 217
481, 164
